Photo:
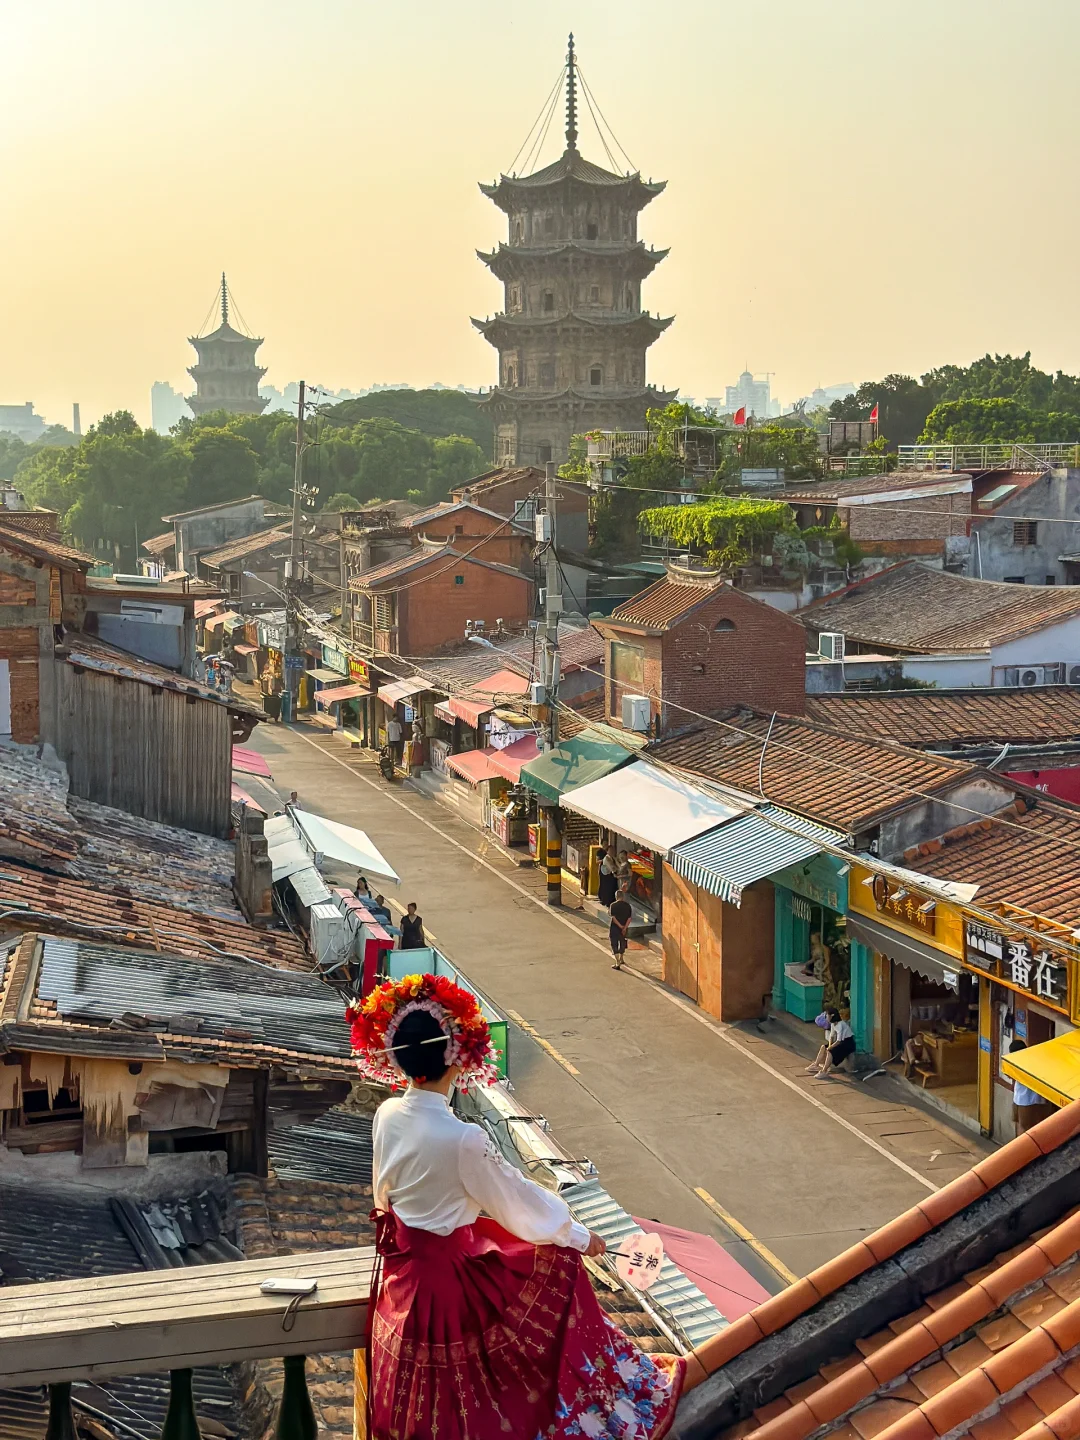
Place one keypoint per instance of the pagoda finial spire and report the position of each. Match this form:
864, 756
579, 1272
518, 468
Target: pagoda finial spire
571, 97
224, 300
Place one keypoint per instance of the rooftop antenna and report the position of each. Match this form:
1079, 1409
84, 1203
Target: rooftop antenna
571, 98
224, 300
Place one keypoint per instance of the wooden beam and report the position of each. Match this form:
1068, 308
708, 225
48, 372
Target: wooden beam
89, 1329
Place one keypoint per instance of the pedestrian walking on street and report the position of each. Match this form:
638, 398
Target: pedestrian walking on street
272, 705
621, 913
498, 1311
608, 888
294, 799
393, 738
624, 875
412, 929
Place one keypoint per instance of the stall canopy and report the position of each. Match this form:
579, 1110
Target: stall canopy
471, 711
905, 950
1051, 1069
400, 690
650, 806
250, 762
726, 860
324, 677
340, 692
344, 844
216, 620
246, 649
443, 711
574, 763
474, 765
509, 760
503, 682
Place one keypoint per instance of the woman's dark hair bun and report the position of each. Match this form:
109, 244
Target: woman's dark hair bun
420, 1061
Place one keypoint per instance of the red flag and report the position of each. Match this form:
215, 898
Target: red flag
873, 414
740, 415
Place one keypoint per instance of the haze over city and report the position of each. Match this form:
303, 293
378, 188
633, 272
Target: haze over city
852, 187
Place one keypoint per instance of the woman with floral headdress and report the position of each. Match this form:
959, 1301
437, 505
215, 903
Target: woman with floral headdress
483, 1328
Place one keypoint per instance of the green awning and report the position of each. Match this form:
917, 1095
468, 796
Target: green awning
575, 762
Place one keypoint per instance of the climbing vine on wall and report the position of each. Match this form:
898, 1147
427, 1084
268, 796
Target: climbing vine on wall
730, 529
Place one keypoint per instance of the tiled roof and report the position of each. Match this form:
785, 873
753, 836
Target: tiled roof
961, 1316
943, 717
660, 605
95, 654
572, 165
221, 505
491, 478
913, 607
93, 998
841, 780
246, 545
81, 907
454, 507
415, 559
42, 547
830, 489
60, 1232
1028, 856
159, 544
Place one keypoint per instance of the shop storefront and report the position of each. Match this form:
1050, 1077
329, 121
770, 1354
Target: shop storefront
406, 701
925, 1005
813, 961
576, 762
1027, 994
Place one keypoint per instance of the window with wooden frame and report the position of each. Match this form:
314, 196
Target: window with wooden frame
1025, 532
384, 612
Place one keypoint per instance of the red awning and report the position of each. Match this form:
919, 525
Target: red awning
250, 761
340, 692
206, 607
509, 760
242, 649
503, 682
474, 766
706, 1263
443, 711
215, 621
470, 710
241, 797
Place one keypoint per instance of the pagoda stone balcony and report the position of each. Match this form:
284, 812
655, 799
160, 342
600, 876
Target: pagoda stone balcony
61, 1332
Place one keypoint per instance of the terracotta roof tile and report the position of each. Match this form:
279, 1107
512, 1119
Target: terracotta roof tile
961, 1401
1050, 1394
840, 780
934, 1378
1038, 1307
995, 1427
886, 1413
972, 1353
916, 608
970, 717
660, 605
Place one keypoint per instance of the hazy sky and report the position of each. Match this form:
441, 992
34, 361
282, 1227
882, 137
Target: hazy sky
855, 186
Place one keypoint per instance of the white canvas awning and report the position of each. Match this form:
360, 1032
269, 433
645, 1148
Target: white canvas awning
344, 844
288, 856
650, 806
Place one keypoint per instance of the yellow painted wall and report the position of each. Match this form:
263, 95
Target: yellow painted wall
948, 933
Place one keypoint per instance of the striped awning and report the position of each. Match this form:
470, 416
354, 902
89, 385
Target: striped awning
724, 861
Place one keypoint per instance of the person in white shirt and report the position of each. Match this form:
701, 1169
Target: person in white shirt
485, 1324
838, 1044
393, 738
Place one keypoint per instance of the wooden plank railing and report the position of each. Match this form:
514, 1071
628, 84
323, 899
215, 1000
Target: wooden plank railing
155, 1320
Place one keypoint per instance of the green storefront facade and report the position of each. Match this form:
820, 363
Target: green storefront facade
810, 900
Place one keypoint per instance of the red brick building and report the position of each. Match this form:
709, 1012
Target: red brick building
473, 529
693, 640
514, 492
419, 603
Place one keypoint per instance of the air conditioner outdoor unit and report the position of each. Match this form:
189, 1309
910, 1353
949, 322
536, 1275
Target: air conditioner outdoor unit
1033, 675
831, 645
1074, 674
636, 712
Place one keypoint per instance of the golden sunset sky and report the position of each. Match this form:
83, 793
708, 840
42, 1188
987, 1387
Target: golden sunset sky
855, 186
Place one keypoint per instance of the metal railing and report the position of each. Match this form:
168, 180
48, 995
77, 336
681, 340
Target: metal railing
607, 444
1007, 455
63, 1332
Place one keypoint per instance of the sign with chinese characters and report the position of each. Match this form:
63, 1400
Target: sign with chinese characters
1021, 963
358, 670
892, 898
639, 1261
333, 659
822, 881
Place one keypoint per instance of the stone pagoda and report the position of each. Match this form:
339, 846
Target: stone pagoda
571, 335
226, 376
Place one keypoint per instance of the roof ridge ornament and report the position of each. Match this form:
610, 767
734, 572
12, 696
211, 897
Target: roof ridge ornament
571, 99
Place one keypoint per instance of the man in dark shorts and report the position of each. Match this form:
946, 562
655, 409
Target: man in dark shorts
621, 914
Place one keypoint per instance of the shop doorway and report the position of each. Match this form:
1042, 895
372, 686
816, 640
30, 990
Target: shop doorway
935, 1035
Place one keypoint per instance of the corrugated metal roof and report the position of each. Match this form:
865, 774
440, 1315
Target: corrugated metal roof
576, 762
336, 1147
726, 860
678, 1300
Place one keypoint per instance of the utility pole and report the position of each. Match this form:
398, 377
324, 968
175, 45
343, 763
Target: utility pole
291, 686
550, 675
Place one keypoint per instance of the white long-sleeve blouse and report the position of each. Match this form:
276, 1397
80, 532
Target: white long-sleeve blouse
437, 1173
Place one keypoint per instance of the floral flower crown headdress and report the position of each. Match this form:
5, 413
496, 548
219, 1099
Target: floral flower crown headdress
375, 1022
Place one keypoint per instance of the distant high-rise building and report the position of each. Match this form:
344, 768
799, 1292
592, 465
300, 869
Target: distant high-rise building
226, 376
76, 420
167, 407
22, 422
748, 393
572, 336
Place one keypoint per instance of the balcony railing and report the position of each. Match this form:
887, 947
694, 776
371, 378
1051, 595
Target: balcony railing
1004, 456
88, 1329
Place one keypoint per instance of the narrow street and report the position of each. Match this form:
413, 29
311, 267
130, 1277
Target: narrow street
674, 1108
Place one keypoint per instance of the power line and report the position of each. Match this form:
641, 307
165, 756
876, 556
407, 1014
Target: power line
550, 101
593, 101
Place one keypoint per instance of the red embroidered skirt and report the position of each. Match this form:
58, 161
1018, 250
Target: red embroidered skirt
480, 1336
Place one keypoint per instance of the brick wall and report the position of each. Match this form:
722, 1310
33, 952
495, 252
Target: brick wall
760, 661
908, 519
19, 647
432, 614
501, 548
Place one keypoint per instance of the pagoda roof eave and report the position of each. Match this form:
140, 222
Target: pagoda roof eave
656, 323
509, 190
508, 258
498, 394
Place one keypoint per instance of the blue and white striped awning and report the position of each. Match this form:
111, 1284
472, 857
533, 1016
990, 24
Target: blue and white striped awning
724, 861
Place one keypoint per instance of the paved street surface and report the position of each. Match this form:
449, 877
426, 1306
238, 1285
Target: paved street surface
665, 1101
